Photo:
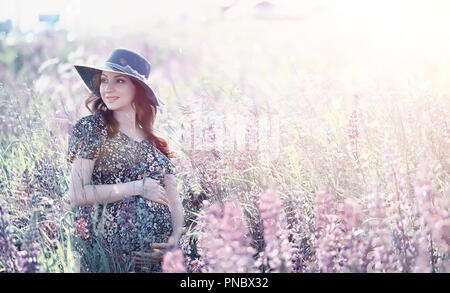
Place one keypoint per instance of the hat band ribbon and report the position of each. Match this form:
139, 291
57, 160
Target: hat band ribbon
126, 69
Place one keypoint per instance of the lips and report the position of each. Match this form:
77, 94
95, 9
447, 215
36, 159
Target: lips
112, 99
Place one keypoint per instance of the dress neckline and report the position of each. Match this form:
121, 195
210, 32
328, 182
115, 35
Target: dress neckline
123, 134
139, 142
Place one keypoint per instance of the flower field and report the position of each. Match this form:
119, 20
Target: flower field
302, 146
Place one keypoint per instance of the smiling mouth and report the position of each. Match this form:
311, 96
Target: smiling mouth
112, 99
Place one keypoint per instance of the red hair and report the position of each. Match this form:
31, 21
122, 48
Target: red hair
145, 116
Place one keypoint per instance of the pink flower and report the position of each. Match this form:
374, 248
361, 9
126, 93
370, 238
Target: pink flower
278, 248
355, 245
173, 262
323, 209
224, 243
81, 229
352, 212
433, 218
380, 237
441, 233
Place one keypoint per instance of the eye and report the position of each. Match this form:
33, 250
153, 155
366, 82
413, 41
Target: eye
120, 80
103, 80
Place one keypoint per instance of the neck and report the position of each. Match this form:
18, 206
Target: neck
126, 119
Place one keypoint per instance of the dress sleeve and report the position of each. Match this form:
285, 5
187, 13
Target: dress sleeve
85, 139
170, 167
167, 166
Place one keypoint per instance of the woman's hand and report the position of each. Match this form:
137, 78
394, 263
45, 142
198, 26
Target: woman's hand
151, 189
143, 260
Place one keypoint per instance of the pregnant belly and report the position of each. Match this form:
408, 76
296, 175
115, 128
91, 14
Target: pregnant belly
153, 221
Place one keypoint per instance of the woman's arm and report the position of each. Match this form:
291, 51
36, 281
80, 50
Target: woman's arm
104, 194
83, 193
175, 206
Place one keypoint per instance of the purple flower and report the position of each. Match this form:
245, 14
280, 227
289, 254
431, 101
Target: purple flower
433, 218
380, 238
399, 206
224, 243
329, 233
298, 234
323, 210
8, 251
352, 213
31, 248
278, 249
355, 247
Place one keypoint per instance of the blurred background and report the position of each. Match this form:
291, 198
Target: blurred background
277, 60
295, 65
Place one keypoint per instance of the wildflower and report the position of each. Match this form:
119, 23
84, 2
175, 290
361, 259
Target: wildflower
352, 213
433, 218
441, 232
277, 246
329, 233
81, 228
352, 130
301, 243
323, 210
51, 233
380, 239
28, 262
8, 249
328, 248
355, 248
224, 243
173, 262
399, 206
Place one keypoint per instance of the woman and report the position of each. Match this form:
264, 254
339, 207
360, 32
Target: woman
128, 212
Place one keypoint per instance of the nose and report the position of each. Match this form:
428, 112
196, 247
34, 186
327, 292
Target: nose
108, 87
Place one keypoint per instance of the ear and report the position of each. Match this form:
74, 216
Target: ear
154, 110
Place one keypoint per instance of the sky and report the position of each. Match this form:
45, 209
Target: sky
87, 14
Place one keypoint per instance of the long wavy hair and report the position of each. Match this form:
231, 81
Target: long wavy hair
145, 115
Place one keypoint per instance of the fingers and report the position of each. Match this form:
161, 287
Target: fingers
156, 255
159, 201
155, 192
162, 200
159, 245
148, 261
146, 258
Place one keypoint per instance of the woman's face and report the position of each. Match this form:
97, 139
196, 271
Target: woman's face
116, 90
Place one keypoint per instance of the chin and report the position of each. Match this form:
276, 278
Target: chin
114, 107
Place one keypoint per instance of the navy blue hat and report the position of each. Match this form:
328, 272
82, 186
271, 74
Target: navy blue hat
124, 61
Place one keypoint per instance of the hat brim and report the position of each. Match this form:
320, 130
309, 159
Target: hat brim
89, 73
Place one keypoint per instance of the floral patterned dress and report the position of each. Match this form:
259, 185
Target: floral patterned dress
105, 235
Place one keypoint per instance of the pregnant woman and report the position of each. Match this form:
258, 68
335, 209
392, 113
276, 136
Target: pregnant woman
127, 208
